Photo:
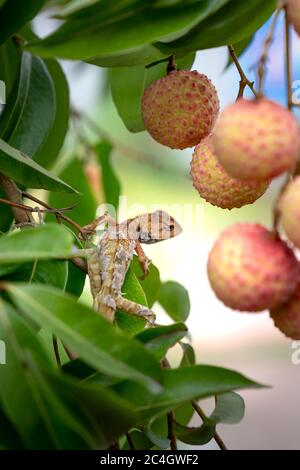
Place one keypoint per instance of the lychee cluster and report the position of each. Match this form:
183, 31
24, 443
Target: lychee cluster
237, 154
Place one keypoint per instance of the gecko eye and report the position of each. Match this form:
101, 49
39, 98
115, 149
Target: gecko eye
172, 226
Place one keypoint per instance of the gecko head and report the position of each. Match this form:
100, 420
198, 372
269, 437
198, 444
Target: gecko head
157, 226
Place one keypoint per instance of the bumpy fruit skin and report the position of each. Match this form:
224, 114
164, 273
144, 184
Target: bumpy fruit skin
250, 269
215, 185
256, 140
180, 109
290, 211
293, 8
287, 316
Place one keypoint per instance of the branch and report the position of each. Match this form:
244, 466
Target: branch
244, 82
172, 67
14, 195
203, 416
266, 49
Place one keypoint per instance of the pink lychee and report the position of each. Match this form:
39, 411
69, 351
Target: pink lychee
256, 140
293, 9
215, 185
287, 316
290, 211
180, 109
251, 269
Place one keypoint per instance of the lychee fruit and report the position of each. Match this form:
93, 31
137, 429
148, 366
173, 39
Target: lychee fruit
215, 185
287, 316
180, 109
250, 269
293, 10
290, 211
256, 140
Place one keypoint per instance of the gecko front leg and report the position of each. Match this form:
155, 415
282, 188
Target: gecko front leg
144, 261
138, 310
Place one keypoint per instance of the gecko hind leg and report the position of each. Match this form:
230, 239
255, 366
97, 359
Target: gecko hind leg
138, 310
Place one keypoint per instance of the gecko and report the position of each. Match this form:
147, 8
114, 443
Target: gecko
109, 261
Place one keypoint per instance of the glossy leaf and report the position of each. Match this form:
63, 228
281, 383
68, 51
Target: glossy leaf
174, 298
75, 281
141, 26
85, 209
44, 242
151, 283
23, 170
128, 86
52, 272
110, 182
49, 150
9, 66
29, 114
188, 357
231, 24
183, 385
160, 339
14, 14
131, 290
86, 333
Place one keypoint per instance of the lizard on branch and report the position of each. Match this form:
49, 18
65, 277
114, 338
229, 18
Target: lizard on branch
109, 261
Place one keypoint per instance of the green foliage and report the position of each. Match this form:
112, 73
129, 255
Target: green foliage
118, 384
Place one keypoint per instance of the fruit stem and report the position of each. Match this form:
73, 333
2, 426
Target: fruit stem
244, 82
172, 67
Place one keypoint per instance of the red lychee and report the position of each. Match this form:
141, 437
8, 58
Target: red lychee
256, 140
215, 185
180, 109
287, 316
251, 269
290, 211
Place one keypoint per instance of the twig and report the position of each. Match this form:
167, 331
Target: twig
129, 440
288, 71
171, 435
244, 82
35, 209
202, 415
171, 67
266, 48
288, 61
56, 351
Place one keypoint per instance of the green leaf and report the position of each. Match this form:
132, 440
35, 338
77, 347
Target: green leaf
231, 24
85, 210
188, 357
9, 439
9, 66
53, 273
174, 298
160, 339
230, 409
182, 385
128, 86
85, 37
86, 333
139, 440
23, 170
44, 242
131, 290
110, 181
51, 409
29, 114
151, 283
75, 281
48, 152
14, 14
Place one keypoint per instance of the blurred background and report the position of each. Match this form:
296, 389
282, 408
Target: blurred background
154, 177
